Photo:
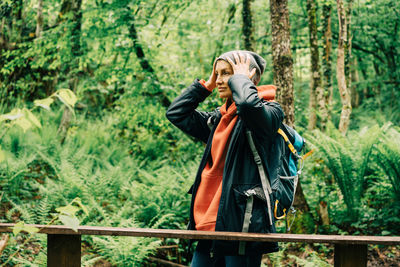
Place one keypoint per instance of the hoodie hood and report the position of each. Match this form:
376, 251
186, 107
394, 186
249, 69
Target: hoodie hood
267, 92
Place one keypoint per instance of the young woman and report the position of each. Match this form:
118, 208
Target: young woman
228, 170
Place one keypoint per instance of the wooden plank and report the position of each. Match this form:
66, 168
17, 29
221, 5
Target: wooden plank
350, 255
186, 234
63, 250
165, 262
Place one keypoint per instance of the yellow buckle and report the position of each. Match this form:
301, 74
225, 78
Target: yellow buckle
275, 211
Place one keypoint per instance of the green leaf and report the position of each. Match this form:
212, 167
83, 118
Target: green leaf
13, 115
67, 97
30, 229
44, 103
70, 221
32, 118
78, 201
18, 227
24, 123
68, 210
21, 226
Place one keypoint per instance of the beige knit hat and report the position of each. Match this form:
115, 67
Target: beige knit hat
256, 61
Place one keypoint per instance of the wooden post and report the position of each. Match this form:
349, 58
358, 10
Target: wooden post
63, 250
350, 255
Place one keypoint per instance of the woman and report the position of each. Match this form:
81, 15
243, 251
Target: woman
228, 169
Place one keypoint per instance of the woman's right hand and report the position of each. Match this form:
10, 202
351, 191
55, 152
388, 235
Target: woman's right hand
212, 81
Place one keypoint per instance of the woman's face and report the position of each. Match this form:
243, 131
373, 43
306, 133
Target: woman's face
224, 71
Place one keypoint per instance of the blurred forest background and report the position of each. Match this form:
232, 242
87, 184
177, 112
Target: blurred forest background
337, 68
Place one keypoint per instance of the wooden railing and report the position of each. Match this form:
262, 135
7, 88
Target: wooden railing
64, 244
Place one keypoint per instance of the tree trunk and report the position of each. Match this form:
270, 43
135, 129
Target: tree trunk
248, 29
283, 77
282, 57
326, 56
145, 64
340, 70
355, 95
17, 21
39, 19
347, 45
73, 76
316, 91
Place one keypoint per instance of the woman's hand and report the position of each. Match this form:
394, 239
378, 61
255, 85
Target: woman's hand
242, 66
211, 83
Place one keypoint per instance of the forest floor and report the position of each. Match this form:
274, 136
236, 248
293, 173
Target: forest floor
310, 256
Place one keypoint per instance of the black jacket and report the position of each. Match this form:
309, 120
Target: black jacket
240, 172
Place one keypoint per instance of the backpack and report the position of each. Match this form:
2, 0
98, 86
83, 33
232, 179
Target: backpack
284, 188
291, 162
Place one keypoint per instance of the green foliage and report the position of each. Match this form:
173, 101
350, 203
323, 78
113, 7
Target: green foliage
124, 160
150, 135
388, 157
365, 171
40, 175
347, 159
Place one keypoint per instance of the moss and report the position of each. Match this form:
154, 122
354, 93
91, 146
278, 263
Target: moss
303, 224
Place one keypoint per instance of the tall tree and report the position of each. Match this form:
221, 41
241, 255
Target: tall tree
327, 55
282, 57
39, 19
316, 93
340, 69
74, 25
283, 73
248, 28
355, 95
348, 60
144, 62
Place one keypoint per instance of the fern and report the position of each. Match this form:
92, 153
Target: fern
42, 211
388, 156
347, 159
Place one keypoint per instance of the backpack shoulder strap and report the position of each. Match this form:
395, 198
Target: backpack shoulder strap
290, 145
263, 175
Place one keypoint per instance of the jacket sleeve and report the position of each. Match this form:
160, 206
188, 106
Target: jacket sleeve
183, 114
261, 117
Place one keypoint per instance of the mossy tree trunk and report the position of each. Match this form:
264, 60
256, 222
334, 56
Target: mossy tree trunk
282, 57
39, 19
348, 44
316, 90
327, 56
73, 69
283, 79
247, 26
145, 63
340, 70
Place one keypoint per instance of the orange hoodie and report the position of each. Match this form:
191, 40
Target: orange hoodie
208, 195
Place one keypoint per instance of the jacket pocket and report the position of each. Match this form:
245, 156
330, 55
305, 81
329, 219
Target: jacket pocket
258, 221
283, 192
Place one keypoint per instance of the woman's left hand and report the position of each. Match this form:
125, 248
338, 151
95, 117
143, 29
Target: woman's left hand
242, 66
